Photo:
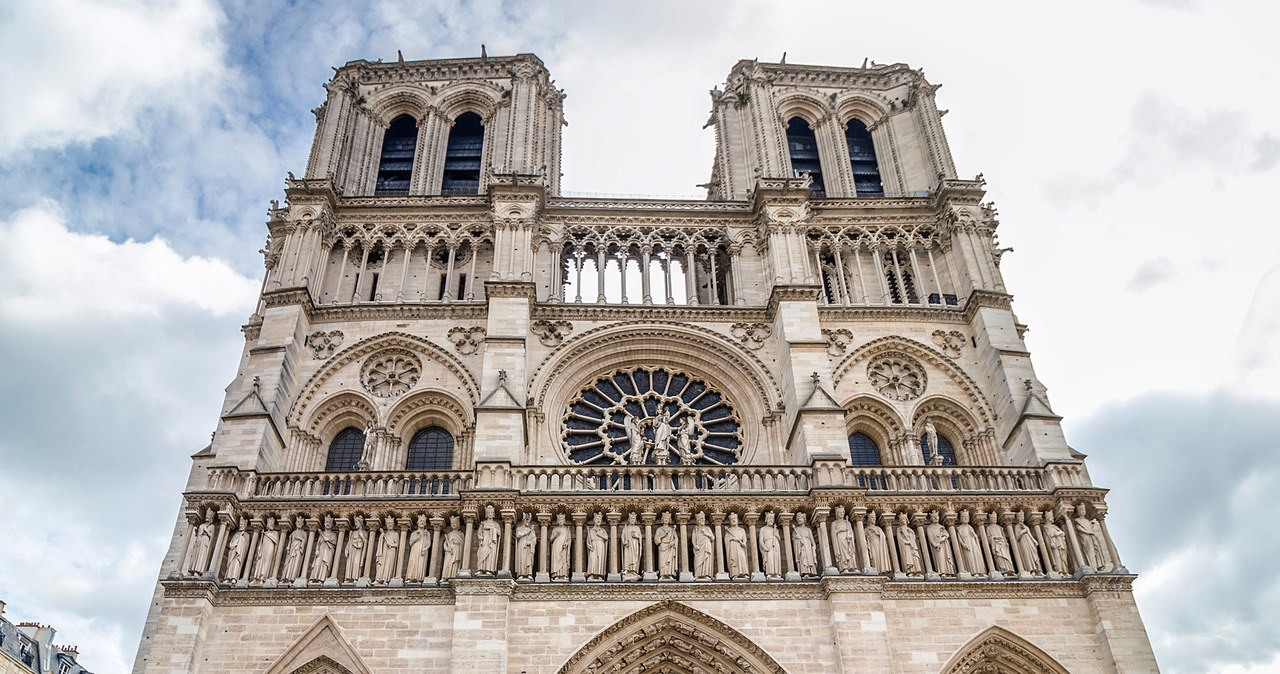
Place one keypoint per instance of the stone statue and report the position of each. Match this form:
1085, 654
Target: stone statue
236, 550
635, 440
877, 545
632, 538
597, 547
704, 541
931, 438
1056, 540
668, 546
770, 548
735, 548
970, 546
842, 543
999, 547
453, 541
387, 556
662, 439
804, 547
419, 546
266, 554
294, 550
326, 545
684, 441
908, 548
198, 560
356, 542
1028, 546
487, 544
366, 454
561, 540
1089, 534
526, 543
939, 538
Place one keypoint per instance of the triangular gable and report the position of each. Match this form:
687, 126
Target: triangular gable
322, 641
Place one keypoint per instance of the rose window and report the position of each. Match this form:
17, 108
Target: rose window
390, 374
651, 416
896, 379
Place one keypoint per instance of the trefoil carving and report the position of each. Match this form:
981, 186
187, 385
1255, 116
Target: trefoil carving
466, 340
838, 341
552, 333
752, 335
323, 344
951, 343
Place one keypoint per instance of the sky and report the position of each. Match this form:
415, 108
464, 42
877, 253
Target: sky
1130, 146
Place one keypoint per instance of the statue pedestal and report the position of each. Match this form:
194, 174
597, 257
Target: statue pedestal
542, 577
722, 576
578, 577
686, 576
792, 575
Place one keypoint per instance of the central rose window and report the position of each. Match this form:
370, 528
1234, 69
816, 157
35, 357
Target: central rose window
651, 416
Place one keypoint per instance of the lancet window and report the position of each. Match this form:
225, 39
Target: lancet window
463, 155
944, 455
426, 263
430, 449
803, 147
652, 416
863, 450
862, 156
395, 168
664, 266
345, 451
894, 266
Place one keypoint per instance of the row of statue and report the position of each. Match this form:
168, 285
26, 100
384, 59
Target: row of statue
772, 545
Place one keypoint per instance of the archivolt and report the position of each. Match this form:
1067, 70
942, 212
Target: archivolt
804, 105
669, 636
866, 108
400, 99
924, 353
999, 651
348, 408
475, 96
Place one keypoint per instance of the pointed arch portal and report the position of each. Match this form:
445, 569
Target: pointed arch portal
672, 638
999, 651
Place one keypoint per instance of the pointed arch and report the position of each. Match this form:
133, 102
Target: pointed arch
322, 649
400, 99
977, 402
672, 634
999, 651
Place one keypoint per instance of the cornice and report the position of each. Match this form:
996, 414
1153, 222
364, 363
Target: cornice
655, 205
476, 310
644, 312
828, 313
487, 67
519, 289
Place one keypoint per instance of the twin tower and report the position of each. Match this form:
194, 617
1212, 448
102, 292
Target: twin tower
479, 426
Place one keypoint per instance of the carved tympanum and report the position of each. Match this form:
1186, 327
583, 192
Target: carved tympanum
896, 378
391, 373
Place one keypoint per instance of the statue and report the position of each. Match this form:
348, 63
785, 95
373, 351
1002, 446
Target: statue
842, 543
668, 545
939, 538
631, 541
931, 438
526, 542
386, 558
236, 551
635, 440
970, 546
487, 544
908, 548
1088, 533
366, 454
266, 554
294, 550
770, 548
356, 543
419, 546
804, 546
877, 545
704, 541
1000, 558
453, 541
684, 441
1028, 546
597, 546
198, 560
561, 539
662, 439
1056, 541
326, 545
735, 548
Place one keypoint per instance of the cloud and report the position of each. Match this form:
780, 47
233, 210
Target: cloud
1188, 475
1255, 360
1151, 273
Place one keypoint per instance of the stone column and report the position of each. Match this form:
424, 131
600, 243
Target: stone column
690, 282
544, 560
332, 580
397, 578
753, 545
600, 273
1116, 565
437, 523
980, 523
1045, 558
686, 575
646, 286
508, 517
827, 563
888, 522
1006, 522
788, 559
469, 517
219, 546
717, 520
613, 517
246, 570
650, 572
579, 560
859, 514
284, 526
373, 524
926, 552
949, 519
185, 549
556, 285
304, 576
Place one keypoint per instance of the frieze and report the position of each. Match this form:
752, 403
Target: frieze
573, 311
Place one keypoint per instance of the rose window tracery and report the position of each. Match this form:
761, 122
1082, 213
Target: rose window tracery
390, 374
896, 378
651, 416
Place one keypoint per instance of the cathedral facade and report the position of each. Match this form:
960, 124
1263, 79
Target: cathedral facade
482, 426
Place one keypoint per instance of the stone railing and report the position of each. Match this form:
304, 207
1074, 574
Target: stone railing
662, 478
963, 478
407, 483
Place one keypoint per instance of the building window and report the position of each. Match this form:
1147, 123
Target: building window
945, 450
396, 166
862, 155
345, 451
64, 668
863, 451
462, 157
897, 275
804, 153
430, 449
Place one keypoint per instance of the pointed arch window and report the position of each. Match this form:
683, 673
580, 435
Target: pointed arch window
946, 451
430, 449
862, 156
898, 276
803, 146
395, 169
863, 450
345, 451
462, 157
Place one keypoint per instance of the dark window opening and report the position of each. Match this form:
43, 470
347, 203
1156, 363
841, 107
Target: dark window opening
892, 266
945, 450
462, 286
863, 450
803, 146
862, 155
395, 169
444, 286
345, 451
462, 156
373, 288
430, 449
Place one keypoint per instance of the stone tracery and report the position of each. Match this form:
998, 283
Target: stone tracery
391, 373
897, 378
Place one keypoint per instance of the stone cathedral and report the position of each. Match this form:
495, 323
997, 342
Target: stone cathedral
481, 425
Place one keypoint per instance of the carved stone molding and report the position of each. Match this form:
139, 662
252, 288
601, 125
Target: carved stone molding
323, 344
390, 373
838, 341
898, 379
552, 333
466, 340
752, 335
950, 343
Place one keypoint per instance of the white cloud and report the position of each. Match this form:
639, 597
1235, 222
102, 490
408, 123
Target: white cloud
82, 69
